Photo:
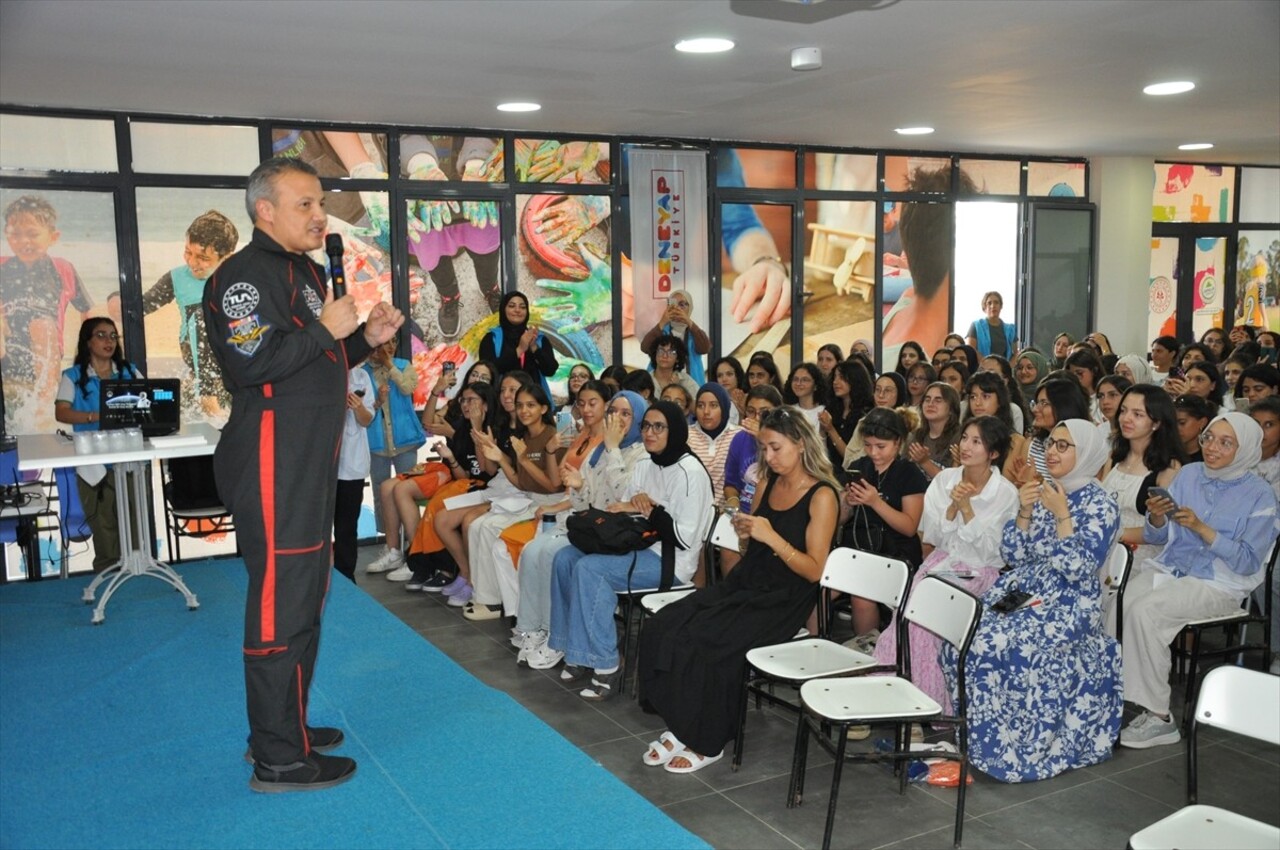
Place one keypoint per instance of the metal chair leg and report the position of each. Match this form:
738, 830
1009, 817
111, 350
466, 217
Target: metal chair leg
842, 730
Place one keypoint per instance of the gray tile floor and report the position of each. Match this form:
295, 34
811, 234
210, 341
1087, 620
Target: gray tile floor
1094, 807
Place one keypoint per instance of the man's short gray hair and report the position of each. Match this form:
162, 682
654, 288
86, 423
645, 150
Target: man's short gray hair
262, 182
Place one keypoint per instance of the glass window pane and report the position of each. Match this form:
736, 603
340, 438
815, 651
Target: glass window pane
917, 278
1162, 295
42, 143
62, 267
917, 174
564, 267
1258, 279
455, 280
756, 262
1260, 194
1055, 179
986, 261
756, 168
992, 176
845, 172
839, 275
1211, 255
194, 149
556, 161
334, 153
1198, 193
430, 157
1060, 264
183, 236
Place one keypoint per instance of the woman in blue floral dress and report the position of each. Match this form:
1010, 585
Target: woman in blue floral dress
1045, 688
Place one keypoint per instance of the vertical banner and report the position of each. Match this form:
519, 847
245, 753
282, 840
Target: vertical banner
668, 233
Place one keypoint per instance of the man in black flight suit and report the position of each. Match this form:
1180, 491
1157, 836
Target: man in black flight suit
285, 345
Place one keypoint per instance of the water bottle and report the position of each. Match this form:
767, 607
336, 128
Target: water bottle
548, 525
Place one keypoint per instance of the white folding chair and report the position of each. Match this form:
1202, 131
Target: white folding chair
950, 613
850, 571
1240, 620
1246, 702
1114, 577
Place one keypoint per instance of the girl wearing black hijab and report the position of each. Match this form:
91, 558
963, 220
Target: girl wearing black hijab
671, 487
513, 345
711, 433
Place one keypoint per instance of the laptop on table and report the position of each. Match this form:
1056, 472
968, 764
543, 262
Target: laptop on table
152, 404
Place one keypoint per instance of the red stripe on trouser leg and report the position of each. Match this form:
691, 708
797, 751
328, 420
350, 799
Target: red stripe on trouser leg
302, 710
267, 495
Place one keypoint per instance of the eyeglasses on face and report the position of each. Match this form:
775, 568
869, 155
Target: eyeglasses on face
111, 335
918, 379
1225, 443
1043, 402
1060, 446
655, 427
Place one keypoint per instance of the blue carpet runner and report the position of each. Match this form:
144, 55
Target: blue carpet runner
131, 734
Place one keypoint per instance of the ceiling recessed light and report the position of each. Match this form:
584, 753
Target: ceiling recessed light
913, 131
1169, 88
519, 106
704, 45
1196, 146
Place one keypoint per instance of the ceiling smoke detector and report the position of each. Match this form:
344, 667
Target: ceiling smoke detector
806, 59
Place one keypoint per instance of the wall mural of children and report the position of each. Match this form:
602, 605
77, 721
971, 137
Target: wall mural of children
36, 289
210, 239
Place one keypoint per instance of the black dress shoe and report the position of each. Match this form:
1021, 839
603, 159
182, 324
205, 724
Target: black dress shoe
311, 774
324, 738
321, 739
438, 582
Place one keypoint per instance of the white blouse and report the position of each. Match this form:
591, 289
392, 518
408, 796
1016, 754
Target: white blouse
975, 543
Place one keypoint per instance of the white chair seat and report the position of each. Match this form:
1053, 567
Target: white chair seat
802, 660
1206, 828
1220, 618
867, 698
214, 512
655, 602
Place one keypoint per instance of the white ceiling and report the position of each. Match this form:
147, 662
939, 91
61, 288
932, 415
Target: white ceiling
1017, 76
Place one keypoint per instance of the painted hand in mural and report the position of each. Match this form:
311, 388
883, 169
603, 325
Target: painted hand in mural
432, 215
481, 213
568, 218
489, 170
585, 302
552, 162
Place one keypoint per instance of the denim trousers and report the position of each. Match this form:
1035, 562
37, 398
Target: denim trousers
536, 563
584, 594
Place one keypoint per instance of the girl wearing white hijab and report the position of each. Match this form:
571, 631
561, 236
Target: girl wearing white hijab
1043, 680
1134, 368
1217, 532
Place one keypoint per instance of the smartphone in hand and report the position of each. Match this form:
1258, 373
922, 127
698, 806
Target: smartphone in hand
1162, 493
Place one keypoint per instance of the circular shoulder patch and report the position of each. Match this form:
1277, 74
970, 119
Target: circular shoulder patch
239, 300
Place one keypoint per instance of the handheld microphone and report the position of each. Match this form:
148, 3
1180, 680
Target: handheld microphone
337, 277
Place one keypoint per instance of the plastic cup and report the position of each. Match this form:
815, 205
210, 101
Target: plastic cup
100, 441
118, 441
83, 441
133, 437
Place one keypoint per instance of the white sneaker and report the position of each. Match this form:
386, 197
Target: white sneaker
390, 559
544, 658
400, 573
1148, 730
864, 643
528, 643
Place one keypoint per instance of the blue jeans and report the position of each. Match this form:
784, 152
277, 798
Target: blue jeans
380, 467
584, 594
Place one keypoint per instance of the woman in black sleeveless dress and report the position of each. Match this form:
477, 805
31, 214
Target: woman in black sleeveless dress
693, 652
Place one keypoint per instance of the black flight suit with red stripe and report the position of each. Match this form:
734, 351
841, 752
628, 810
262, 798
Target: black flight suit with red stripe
276, 469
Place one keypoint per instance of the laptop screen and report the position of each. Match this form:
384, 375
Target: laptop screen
152, 404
